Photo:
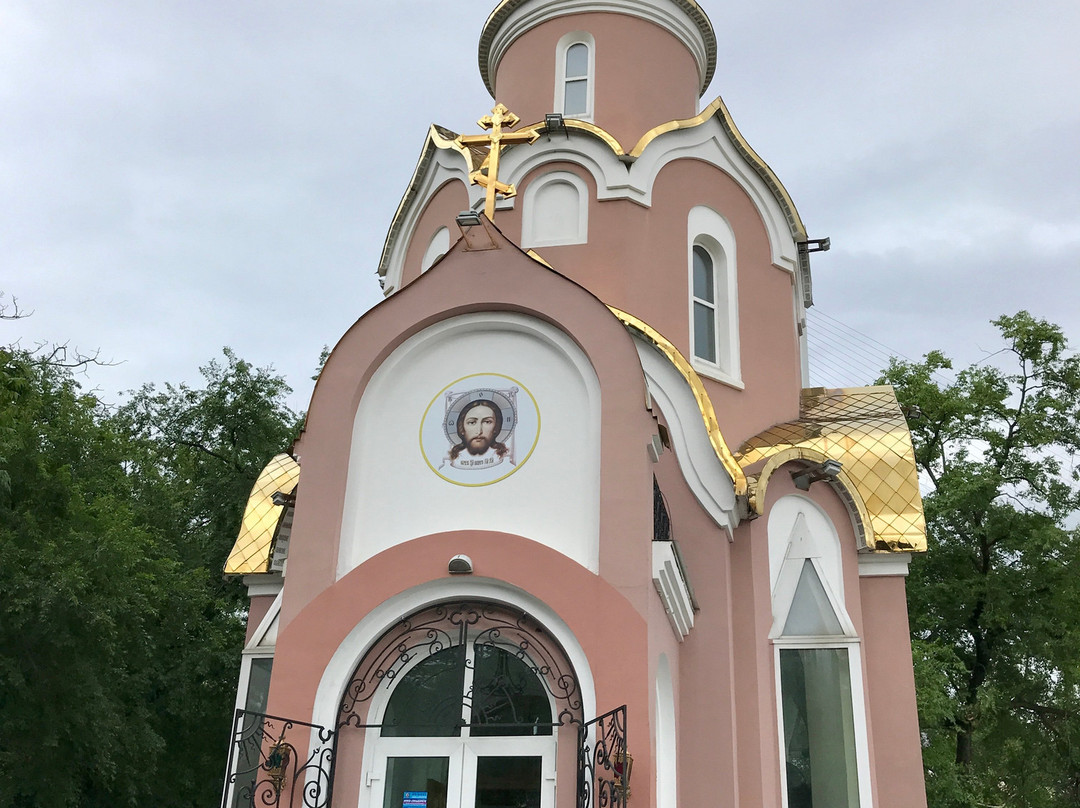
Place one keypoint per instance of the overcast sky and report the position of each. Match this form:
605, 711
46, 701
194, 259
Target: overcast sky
181, 175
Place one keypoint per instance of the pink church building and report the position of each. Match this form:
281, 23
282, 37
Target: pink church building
566, 528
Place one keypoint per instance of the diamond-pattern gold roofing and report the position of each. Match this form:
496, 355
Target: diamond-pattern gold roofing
863, 428
254, 546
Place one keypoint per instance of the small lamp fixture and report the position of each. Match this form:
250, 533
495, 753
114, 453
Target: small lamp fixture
623, 763
815, 473
467, 218
553, 122
280, 498
815, 245
460, 565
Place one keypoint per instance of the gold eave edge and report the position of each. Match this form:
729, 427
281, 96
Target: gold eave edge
507, 7
717, 108
701, 395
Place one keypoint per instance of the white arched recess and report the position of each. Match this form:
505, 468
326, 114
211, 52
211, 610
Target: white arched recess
552, 496
821, 708
436, 249
371, 628
711, 233
555, 210
667, 753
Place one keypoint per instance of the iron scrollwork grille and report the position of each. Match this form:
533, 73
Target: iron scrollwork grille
603, 771
448, 625
269, 764
661, 517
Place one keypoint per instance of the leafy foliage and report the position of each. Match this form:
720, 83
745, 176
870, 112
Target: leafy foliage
995, 604
118, 640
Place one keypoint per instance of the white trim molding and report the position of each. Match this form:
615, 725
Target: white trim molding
874, 564
670, 585
373, 626
436, 249
707, 478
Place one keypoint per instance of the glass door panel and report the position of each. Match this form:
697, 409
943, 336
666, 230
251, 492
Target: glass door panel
416, 782
508, 782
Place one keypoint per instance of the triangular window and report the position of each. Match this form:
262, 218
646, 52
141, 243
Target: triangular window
811, 614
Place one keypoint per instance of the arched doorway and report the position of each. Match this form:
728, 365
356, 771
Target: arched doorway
461, 705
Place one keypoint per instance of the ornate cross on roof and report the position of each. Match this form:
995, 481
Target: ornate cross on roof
488, 173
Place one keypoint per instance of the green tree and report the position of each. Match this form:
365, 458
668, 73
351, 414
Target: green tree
119, 642
84, 588
995, 603
202, 449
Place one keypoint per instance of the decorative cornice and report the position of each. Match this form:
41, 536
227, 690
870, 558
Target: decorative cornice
701, 395
440, 138
511, 19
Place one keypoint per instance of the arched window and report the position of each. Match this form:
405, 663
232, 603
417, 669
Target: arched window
714, 319
555, 210
436, 249
819, 682
463, 703
575, 59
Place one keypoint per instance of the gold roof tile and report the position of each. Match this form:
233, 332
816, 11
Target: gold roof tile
865, 430
254, 546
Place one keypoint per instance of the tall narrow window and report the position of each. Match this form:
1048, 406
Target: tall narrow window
574, 65
822, 723
577, 80
704, 305
714, 319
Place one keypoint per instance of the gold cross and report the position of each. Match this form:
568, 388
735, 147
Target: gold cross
500, 116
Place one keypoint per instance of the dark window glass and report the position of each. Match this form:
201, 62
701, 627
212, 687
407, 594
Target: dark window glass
819, 730
704, 332
508, 782
427, 701
412, 782
703, 275
506, 691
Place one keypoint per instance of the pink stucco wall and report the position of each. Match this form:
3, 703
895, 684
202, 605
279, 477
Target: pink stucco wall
628, 50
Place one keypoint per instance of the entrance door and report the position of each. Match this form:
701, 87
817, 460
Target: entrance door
477, 773
467, 727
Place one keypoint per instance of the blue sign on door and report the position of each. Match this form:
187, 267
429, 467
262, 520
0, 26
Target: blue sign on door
414, 799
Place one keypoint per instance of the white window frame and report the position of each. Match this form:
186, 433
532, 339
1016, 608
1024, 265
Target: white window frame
528, 210
261, 646
823, 552
712, 232
561, 48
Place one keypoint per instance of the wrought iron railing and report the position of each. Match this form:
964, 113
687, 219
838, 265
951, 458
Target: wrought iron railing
603, 762
278, 763
660, 517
